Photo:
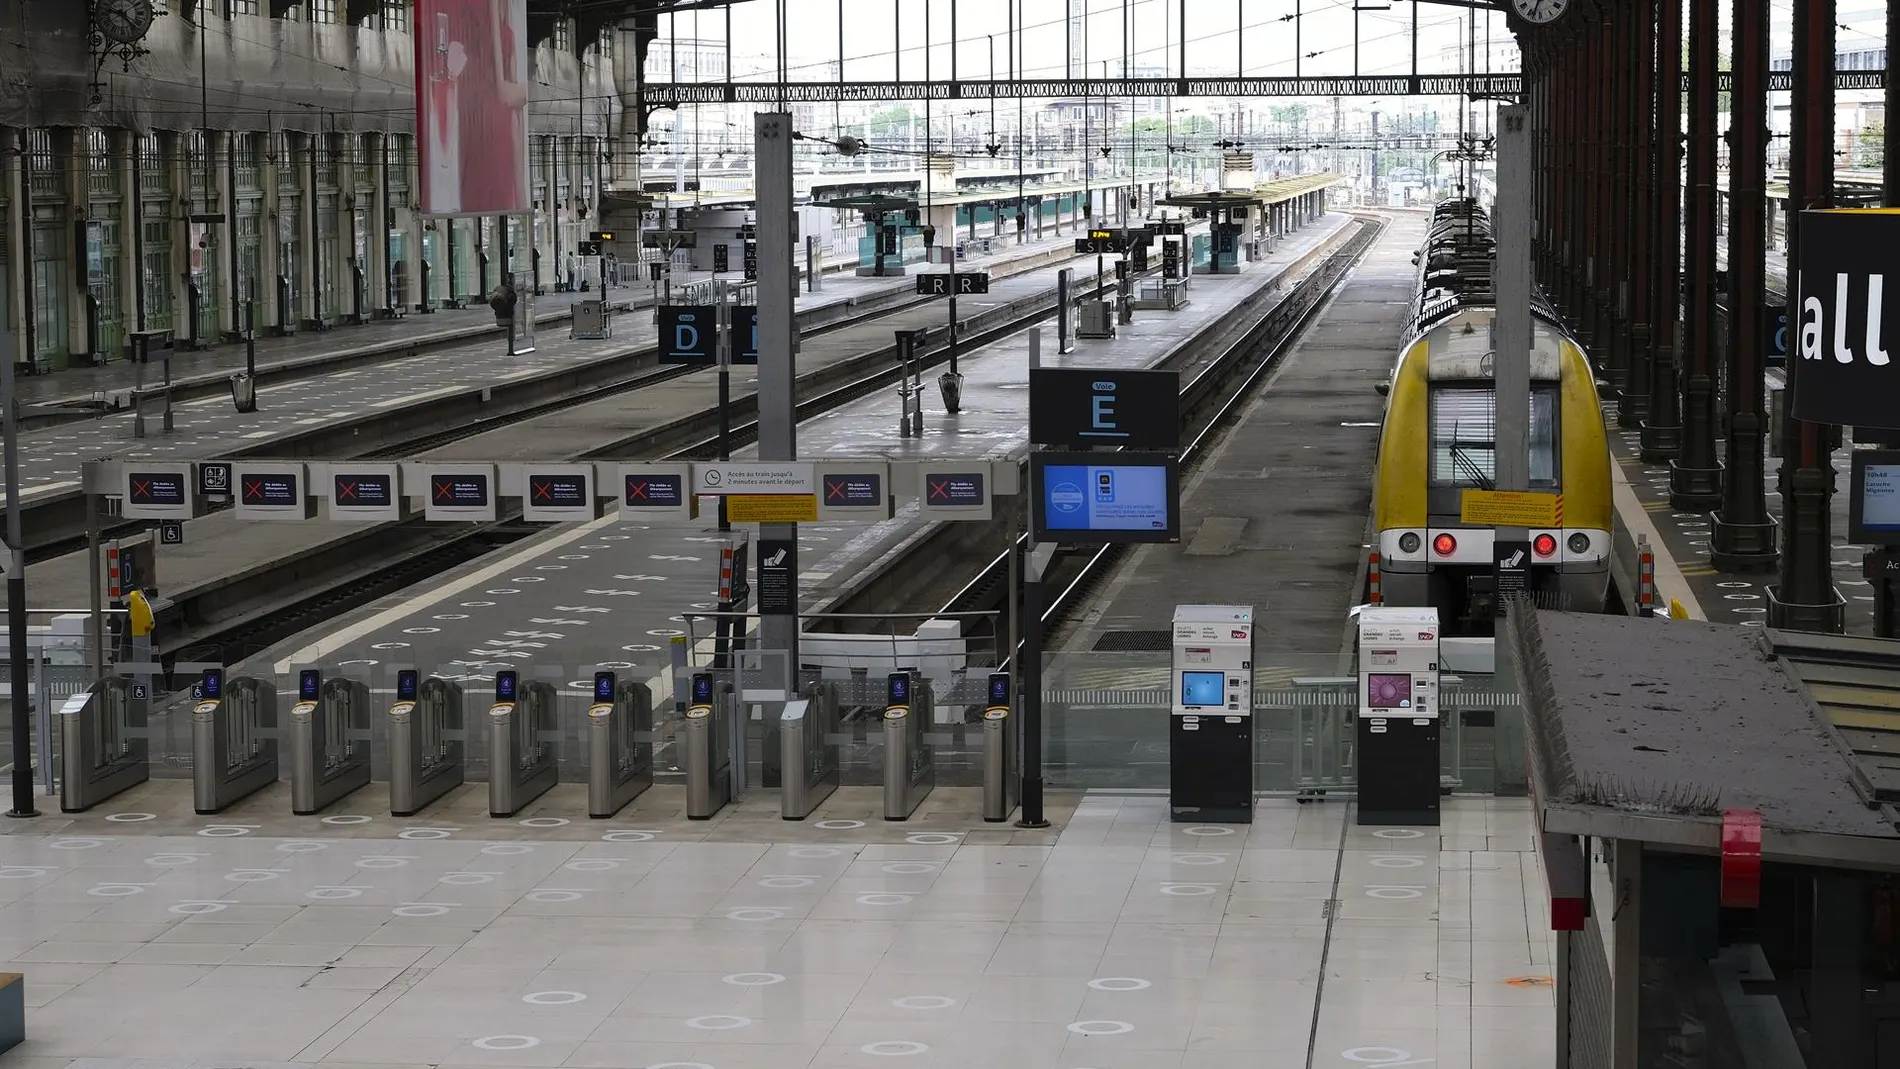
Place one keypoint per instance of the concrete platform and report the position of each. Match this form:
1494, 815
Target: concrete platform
613, 592
1115, 940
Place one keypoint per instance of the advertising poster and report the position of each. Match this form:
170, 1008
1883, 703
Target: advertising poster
473, 70
1840, 362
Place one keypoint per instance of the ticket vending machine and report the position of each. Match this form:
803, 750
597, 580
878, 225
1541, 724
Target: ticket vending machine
619, 744
329, 741
233, 740
523, 734
1000, 785
103, 742
708, 746
910, 765
1398, 716
1210, 735
427, 742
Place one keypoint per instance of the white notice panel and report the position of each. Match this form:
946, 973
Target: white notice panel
155, 491
558, 493
656, 491
361, 492
273, 490
955, 490
719, 478
854, 490
460, 492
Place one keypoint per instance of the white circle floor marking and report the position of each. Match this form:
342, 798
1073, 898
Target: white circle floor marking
21, 872
754, 979
466, 879
1101, 1028
507, 849
1201, 859
894, 1048
1395, 893
839, 825
787, 883
718, 1022
346, 820
554, 998
930, 838
545, 822
1121, 983
813, 851
1398, 861
195, 908
924, 1002
302, 846
425, 833
322, 893
1207, 832
628, 836
500, 590
449, 616
1383, 1056
251, 875
116, 890
420, 909
507, 1042
877, 898
168, 860
1735, 584
131, 818
555, 894
909, 868
76, 844
226, 831
381, 861
478, 604
592, 864
1398, 833
1187, 890
755, 914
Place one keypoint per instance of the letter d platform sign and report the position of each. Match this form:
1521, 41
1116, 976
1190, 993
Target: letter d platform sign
1841, 360
689, 334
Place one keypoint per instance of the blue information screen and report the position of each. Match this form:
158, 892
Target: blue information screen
1203, 688
999, 688
1108, 498
898, 688
213, 683
407, 681
604, 686
702, 690
309, 683
506, 683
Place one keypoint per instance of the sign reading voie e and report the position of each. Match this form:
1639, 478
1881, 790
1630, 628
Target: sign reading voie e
1840, 360
1098, 406
753, 477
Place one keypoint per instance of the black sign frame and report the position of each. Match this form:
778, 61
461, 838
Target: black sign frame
1510, 570
778, 576
1840, 251
1040, 462
1138, 409
214, 478
700, 318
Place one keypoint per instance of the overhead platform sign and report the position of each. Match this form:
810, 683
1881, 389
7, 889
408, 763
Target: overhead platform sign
558, 493
150, 491
272, 491
366, 493
952, 490
649, 491
761, 492
1841, 367
1509, 508
462, 492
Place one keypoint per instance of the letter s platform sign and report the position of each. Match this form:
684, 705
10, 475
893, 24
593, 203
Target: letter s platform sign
1840, 360
1097, 406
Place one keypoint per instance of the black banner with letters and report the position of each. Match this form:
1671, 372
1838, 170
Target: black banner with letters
1100, 406
778, 577
1840, 352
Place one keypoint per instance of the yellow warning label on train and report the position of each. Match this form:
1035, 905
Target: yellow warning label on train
1507, 508
772, 508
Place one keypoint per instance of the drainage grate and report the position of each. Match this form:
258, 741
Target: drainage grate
1132, 641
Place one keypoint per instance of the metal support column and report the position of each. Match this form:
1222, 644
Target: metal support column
1695, 476
778, 423
1512, 368
1662, 425
1632, 404
1743, 535
1613, 270
1803, 597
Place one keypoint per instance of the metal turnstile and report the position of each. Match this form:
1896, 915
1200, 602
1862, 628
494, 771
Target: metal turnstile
708, 746
103, 747
524, 730
233, 740
808, 760
1001, 787
619, 744
329, 741
910, 767
426, 742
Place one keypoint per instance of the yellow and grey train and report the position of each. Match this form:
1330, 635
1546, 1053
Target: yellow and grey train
1438, 441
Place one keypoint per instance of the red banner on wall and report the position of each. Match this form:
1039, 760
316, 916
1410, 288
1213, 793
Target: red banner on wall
472, 75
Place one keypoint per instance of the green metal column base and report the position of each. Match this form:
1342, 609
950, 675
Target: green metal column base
1829, 618
1741, 547
1694, 489
1632, 405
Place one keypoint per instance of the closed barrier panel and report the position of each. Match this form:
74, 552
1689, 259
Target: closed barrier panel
329, 741
1001, 787
807, 759
524, 731
233, 740
619, 744
427, 742
708, 746
103, 747
910, 769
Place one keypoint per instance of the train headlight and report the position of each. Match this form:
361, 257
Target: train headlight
1545, 544
1409, 542
1444, 545
1579, 543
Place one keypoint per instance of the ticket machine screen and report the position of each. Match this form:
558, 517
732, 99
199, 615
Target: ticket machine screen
604, 686
1389, 690
407, 680
309, 682
505, 684
898, 688
1204, 688
213, 684
702, 690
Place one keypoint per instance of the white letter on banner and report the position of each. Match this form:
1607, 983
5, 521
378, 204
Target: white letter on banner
1842, 353
1811, 328
1875, 354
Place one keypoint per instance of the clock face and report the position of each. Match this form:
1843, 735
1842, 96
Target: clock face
1540, 11
123, 21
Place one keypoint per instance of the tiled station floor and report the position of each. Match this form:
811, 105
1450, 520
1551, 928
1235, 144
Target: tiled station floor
1116, 940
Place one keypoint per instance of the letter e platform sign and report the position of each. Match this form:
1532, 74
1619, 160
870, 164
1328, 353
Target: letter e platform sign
1094, 407
1840, 360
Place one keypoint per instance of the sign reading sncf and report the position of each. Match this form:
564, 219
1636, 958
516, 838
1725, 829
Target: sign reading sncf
1842, 370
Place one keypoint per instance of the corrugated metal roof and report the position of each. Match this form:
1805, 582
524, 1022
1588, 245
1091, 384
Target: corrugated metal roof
1856, 684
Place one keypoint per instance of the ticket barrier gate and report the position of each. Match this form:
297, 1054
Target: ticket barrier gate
524, 727
619, 744
103, 747
1001, 789
808, 762
708, 746
329, 741
233, 740
910, 767
426, 742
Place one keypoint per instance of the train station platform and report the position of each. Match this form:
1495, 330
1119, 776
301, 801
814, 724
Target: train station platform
1115, 939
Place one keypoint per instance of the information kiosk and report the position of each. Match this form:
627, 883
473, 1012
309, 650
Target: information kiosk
1398, 716
426, 741
233, 740
1210, 736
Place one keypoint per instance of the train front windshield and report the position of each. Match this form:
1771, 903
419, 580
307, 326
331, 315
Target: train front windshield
1464, 436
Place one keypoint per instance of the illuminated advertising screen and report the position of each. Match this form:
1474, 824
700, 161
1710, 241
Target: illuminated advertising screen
898, 688
473, 72
1873, 504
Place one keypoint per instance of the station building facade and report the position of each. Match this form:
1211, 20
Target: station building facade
255, 160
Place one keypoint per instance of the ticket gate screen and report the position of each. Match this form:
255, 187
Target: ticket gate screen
910, 767
427, 741
233, 740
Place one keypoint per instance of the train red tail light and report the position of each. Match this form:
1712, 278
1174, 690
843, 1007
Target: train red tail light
1545, 545
1444, 545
